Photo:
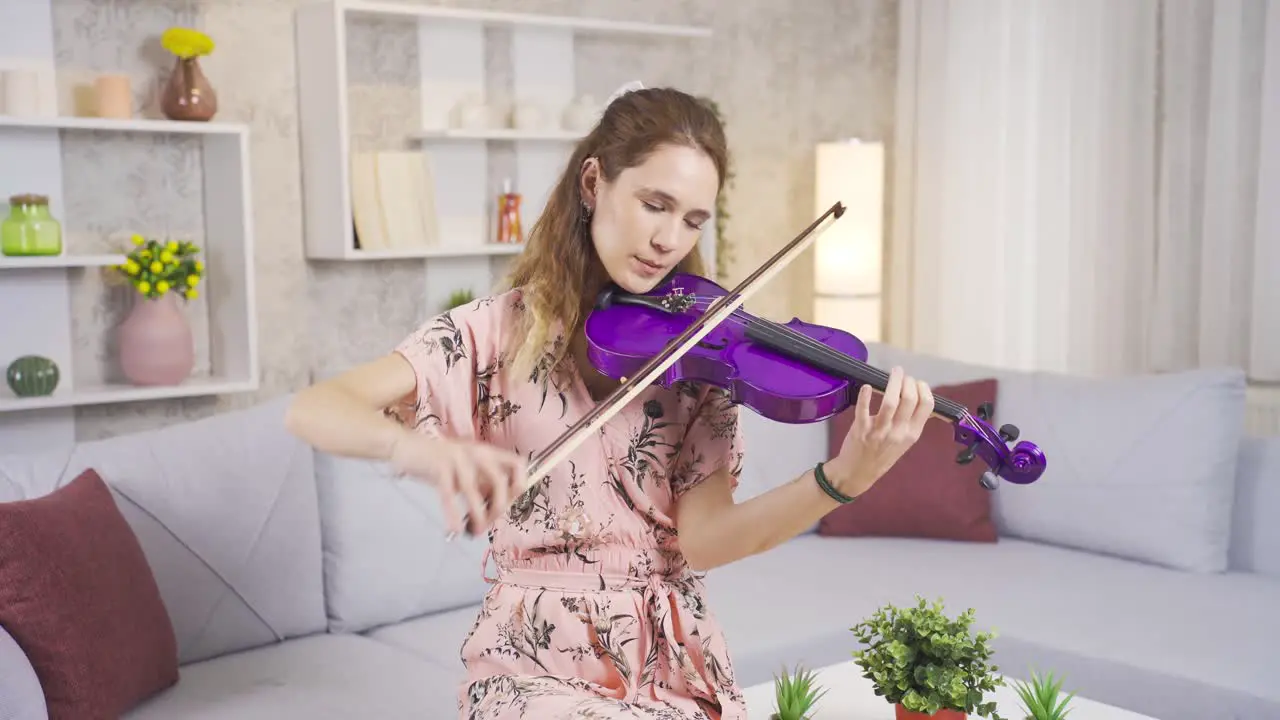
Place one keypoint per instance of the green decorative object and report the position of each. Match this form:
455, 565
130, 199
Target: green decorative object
30, 229
459, 297
33, 376
795, 695
925, 662
1040, 698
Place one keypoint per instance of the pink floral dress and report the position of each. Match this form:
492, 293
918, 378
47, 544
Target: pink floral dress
593, 611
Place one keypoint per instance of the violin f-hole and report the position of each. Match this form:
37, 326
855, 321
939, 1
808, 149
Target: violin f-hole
713, 346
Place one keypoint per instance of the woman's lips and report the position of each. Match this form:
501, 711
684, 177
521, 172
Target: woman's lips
646, 268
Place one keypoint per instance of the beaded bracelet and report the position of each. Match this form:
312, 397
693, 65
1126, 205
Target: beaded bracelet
828, 488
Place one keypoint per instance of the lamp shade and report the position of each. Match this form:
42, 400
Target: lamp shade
848, 255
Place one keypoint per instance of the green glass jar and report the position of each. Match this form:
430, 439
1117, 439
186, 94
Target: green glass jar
30, 229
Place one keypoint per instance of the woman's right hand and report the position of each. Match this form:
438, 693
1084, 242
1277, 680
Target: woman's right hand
488, 478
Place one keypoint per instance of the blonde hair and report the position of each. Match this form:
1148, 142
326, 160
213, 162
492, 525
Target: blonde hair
558, 273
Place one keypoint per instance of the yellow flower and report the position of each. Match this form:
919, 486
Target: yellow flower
156, 267
131, 266
171, 247
199, 266
138, 239
166, 256
162, 287
144, 287
193, 280
186, 43
191, 294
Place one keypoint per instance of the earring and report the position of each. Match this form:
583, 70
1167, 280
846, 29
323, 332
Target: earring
586, 211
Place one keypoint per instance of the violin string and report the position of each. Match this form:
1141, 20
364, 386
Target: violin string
779, 331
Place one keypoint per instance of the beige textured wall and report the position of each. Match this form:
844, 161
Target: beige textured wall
785, 78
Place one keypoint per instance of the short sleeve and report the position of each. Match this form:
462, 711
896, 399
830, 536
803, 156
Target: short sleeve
442, 353
712, 441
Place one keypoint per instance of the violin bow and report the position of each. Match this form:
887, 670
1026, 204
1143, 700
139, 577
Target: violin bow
629, 388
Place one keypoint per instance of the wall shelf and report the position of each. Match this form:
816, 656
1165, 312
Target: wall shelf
497, 134
452, 52
58, 262
139, 125
39, 290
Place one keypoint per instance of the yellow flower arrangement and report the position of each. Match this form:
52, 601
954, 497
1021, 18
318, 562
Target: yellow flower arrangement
155, 267
186, 43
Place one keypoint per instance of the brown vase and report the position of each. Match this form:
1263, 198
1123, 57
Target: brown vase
155, 342
188, 94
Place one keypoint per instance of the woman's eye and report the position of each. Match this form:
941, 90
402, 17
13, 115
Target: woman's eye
693, 225
651, 207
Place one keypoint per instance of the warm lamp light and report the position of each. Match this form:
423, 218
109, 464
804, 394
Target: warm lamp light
848, 255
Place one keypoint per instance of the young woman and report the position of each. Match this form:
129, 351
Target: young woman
596, 610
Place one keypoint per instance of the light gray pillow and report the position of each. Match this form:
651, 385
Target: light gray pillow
1140, 467
21, 697
386, 558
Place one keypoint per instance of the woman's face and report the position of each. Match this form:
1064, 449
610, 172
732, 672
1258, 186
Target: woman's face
651, 217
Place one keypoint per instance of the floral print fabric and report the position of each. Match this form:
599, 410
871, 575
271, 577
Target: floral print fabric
592, 612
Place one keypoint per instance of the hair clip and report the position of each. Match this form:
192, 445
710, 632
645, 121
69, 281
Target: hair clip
626, 88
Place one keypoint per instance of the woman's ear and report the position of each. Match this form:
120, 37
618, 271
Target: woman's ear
588, 180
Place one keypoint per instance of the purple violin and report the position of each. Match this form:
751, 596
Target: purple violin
794, 372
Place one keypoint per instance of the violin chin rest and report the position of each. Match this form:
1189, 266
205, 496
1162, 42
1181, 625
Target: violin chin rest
605, 297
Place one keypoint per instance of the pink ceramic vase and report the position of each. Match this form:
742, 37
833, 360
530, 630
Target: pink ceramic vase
156, 347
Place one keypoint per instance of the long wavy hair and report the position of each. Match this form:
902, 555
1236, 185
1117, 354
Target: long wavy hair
559, 273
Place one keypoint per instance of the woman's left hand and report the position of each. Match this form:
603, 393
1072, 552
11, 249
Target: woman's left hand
875, 442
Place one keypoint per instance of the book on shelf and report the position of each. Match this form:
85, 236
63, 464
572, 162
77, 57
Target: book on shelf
393, 201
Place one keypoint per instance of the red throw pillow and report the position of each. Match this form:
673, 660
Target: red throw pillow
926, 494
78, 596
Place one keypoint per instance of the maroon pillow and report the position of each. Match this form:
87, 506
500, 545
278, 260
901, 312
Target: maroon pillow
926, 494
78, 596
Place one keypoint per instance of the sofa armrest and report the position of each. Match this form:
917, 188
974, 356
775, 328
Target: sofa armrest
21, 697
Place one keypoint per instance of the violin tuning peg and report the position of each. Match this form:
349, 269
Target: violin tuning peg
984, 411
966, 456
1009, 433
988, 480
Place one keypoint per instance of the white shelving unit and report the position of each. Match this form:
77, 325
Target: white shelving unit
35, 303
451, 49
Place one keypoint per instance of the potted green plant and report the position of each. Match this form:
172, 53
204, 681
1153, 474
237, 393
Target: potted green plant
459, 297
926, 664
1040, 698
795, 696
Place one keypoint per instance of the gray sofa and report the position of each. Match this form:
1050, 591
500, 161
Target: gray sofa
1144, 566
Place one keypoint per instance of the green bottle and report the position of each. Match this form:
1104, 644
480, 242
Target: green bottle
30, 229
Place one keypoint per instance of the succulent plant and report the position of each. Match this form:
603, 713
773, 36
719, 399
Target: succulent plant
1040, 697
796, 695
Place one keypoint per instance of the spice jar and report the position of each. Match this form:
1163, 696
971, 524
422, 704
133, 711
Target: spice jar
30, 229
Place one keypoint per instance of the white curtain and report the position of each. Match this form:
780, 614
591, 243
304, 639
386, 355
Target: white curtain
1082, 185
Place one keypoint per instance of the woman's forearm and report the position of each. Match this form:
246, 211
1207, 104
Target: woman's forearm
714, 530
333, 421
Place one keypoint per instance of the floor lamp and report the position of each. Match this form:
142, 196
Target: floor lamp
848, 255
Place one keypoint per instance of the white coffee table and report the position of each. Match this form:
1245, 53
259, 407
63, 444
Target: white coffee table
851, 697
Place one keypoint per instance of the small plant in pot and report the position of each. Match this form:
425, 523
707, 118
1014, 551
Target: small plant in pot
926, 664
1041, 698
795, 695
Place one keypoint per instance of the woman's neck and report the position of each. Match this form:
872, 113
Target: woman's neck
598, 386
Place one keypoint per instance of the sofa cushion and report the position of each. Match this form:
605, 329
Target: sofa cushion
320, 677
225, 510
1255, 534
21, 697
437, 637
78, 597
926, 493
386, 552
1169, 644
1140, 467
